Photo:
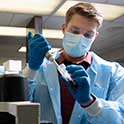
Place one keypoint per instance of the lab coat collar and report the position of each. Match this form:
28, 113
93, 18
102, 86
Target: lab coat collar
77, 114
93, 69
52, 81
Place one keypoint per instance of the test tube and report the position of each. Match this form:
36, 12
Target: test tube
62, 70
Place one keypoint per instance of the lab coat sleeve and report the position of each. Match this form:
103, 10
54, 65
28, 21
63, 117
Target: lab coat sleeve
105, 112
30, 75
31, 89
34, 77
111, 109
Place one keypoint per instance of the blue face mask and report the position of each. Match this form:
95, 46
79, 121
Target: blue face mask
76, 45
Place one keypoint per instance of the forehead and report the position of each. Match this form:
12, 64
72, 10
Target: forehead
82, 23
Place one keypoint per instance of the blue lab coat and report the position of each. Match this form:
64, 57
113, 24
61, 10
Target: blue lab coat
107, 84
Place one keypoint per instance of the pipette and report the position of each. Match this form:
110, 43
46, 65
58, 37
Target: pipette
62, 70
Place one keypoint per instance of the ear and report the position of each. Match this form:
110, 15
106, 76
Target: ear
97, 34
63, 28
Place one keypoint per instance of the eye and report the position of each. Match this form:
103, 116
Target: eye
89, 34
75, 32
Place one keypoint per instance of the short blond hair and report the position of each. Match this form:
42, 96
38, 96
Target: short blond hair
86, 10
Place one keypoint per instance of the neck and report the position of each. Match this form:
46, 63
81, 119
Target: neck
74, 59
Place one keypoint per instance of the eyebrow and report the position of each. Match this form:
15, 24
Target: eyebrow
78, 29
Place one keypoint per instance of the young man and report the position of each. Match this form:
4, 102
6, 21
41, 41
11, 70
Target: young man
99, 95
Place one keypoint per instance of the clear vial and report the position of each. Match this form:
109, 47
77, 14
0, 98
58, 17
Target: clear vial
46, 122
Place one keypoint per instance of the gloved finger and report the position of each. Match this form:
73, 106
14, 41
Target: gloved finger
38, 44
79, 73
40, 38
68, 83
64, 80
45, 50
72, 90
82, 81
45, 47
29, 35
72, 68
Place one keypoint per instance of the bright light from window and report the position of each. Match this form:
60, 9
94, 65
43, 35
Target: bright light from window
23, 49
109, 12
12, 31
29, 6
17, 31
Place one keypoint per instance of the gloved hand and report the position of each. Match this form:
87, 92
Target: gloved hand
38, 46
79, 75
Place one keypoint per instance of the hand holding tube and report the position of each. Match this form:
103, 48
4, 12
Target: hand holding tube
82, 93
